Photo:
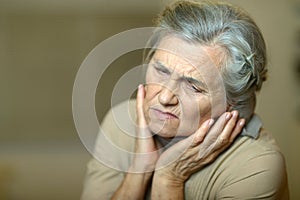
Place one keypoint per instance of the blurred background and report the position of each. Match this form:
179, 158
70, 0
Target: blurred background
44, 42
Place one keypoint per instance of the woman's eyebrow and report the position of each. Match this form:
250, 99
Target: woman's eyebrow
186, 78
161, 65
195, 81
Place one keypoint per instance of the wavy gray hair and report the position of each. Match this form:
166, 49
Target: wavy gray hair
210, 23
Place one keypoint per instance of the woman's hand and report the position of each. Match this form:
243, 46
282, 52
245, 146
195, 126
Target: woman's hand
190, 155
146, 153
134, 185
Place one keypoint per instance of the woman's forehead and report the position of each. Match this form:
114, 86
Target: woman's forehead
175, 51
174, 63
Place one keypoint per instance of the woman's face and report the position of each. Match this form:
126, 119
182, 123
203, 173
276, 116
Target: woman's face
183, 87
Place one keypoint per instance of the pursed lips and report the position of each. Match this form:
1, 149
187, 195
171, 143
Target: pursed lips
164, 115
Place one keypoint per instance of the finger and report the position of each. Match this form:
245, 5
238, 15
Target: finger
201, 132
237, 130
210, 158
139, 106
140, 98
224, 137
218, 127
210, 142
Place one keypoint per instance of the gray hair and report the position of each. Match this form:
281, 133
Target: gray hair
211, 23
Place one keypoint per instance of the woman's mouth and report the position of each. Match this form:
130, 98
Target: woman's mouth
163, 115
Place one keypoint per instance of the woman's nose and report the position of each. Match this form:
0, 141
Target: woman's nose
167, 97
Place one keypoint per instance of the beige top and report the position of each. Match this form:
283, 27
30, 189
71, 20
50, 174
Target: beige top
252, 168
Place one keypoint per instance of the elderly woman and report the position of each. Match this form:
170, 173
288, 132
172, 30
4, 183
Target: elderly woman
197, 136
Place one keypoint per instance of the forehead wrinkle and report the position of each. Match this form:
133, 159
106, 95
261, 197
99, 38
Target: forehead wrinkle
176, 64
186, 71
189, 71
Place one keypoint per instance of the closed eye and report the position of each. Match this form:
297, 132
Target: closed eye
196, 89
195, 86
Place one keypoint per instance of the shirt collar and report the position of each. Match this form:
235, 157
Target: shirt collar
252, 127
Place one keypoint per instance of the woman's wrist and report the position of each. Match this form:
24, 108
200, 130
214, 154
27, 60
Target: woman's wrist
168, 178
134, 186
163, 186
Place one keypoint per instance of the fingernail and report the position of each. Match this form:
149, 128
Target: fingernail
242, 122
211, 121
235, 113
140, 86
227, 116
